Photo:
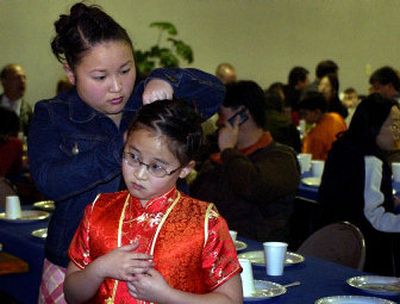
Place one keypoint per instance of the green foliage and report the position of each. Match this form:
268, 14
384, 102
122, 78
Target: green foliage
163, 56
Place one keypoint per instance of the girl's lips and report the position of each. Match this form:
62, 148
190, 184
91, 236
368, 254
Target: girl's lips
137, 186
117, 101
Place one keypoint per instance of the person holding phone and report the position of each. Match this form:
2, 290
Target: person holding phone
251, 178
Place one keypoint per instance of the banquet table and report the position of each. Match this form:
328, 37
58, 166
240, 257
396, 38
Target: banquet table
311, 192
18, 241
319, 278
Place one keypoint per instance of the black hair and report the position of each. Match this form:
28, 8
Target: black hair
9, 123
334, 81
273, 101
350, 90
326, 67
297, 74
386, 75
82, 29
367, 121
249, 94
177, 121
313, 101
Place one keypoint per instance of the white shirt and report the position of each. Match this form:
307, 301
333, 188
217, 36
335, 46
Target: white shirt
12, 105
373, 198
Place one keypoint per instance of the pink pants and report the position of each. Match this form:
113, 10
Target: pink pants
51, 287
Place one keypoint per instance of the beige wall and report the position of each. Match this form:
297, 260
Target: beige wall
262, 38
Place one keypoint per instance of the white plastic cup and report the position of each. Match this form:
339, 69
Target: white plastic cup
275, 254
317, 168
304, 161
396, 172
233, 234
13, 207
247, 278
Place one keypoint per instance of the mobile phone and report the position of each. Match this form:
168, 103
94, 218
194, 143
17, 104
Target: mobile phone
242, 114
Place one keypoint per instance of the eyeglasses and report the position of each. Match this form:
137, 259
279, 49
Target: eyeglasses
154, 169
395, 127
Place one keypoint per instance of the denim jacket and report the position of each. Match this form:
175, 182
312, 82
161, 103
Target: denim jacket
75, 151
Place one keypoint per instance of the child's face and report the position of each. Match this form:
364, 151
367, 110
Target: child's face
150, 149
105, 76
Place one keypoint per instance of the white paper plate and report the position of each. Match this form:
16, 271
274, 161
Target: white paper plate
378, 285
27, 216
45, 205
257, 258
311, 181
40, 233
352, 300
265, 290
240, 245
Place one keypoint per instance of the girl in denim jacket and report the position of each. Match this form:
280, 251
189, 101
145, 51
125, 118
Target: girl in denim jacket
76, 138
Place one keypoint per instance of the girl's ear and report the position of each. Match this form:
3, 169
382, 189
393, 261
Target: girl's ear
187, 169
70, 74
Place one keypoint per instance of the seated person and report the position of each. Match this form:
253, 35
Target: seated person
11, 147
356, 184
350, 101
329, 87
326, 126
386, 81
279, 124
251, 179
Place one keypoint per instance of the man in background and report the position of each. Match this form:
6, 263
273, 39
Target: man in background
13, 80
350, 100
386, 82
298, 81
226, 73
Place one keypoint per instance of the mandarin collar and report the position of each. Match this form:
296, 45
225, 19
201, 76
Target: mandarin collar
159, 202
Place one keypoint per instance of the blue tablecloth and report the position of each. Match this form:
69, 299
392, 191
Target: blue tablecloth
311, 193
318, 279
307, 192
17, 240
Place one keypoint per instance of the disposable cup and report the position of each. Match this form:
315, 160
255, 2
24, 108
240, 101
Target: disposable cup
13, 207
247, 278
274, 253
233, 234
304, 161
396, 172
317, 167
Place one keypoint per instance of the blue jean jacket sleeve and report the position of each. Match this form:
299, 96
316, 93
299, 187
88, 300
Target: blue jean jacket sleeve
64, 161
203, 91
65, 125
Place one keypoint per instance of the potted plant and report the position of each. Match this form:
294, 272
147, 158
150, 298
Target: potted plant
167, 52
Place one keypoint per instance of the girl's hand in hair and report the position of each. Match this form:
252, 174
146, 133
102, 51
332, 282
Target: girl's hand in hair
157, 89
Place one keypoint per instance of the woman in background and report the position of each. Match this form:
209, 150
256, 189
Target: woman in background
329, 87
349, 185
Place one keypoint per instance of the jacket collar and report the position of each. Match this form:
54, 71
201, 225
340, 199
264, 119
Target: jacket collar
81, 112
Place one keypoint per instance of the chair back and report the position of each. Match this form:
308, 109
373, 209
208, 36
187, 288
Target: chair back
340, 242
6, 189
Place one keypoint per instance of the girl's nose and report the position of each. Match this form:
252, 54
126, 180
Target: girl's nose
116, 84
141, 172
